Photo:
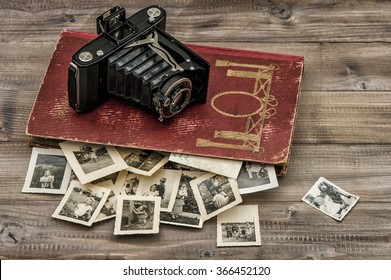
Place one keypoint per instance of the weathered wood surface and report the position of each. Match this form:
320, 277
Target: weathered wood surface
343, 128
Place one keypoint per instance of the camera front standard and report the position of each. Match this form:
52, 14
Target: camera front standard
136, 60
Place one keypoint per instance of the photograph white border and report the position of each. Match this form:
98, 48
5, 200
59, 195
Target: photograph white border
129, 177
116, 189
75, 184
201, 205
257, 188
171, 186
123, 151
31, 170
226, 167
69, 148
118, 219
171, 221
314, 192
242, 214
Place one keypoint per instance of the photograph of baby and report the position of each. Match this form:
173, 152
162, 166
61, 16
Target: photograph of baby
330, 199
81, 204
255, 177
137, 215
48, 172
215, 194
91, 162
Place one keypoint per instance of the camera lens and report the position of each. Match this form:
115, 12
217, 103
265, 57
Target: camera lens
177, 93
179, 99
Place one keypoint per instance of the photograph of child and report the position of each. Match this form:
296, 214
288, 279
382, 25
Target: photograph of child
163, 183
48, 172
215, 194
81, 203
330, 199
255, 177
91, 162
137, 215
185, 211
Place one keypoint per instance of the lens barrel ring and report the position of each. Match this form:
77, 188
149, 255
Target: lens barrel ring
177, 93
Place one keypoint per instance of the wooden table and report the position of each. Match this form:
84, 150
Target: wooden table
343, 130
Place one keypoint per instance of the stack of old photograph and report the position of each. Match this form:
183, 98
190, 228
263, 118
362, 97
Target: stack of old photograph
140, 189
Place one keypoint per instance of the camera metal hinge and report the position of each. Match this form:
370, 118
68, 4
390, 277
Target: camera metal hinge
153, 42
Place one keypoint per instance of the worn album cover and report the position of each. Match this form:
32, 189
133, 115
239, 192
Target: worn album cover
249, 114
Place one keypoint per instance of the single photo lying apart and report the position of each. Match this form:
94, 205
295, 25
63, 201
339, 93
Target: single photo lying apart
330, 199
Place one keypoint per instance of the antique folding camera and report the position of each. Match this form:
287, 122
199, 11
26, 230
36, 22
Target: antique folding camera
135, 59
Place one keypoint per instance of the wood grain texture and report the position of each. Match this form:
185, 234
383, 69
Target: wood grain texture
342, 131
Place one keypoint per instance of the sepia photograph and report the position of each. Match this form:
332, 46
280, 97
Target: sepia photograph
239, 226
137, 215
256, 177
48, 172
143, 162
164, 184
185, 211
215, 194
226, 167
81, 204
91, 162
330, 199
131, 184
109, 209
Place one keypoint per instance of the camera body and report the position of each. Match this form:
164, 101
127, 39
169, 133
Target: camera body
135, 59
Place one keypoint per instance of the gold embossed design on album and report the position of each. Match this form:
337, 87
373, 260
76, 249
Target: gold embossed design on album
249, 138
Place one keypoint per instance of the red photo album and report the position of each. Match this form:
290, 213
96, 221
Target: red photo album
249, 115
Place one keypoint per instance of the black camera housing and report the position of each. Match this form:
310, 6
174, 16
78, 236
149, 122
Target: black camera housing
135, 59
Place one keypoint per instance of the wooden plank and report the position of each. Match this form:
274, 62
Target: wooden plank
342, 131
302, 233
334, 66
257, 21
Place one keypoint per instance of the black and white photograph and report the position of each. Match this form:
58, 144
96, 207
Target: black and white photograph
256, 177
81, 204
226, 167
91, 162
143, 162
131, 184
330, 199
48, 172
239, 226
118, 178
109, 209
185, 211
137, 215
164, 184
215, 194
